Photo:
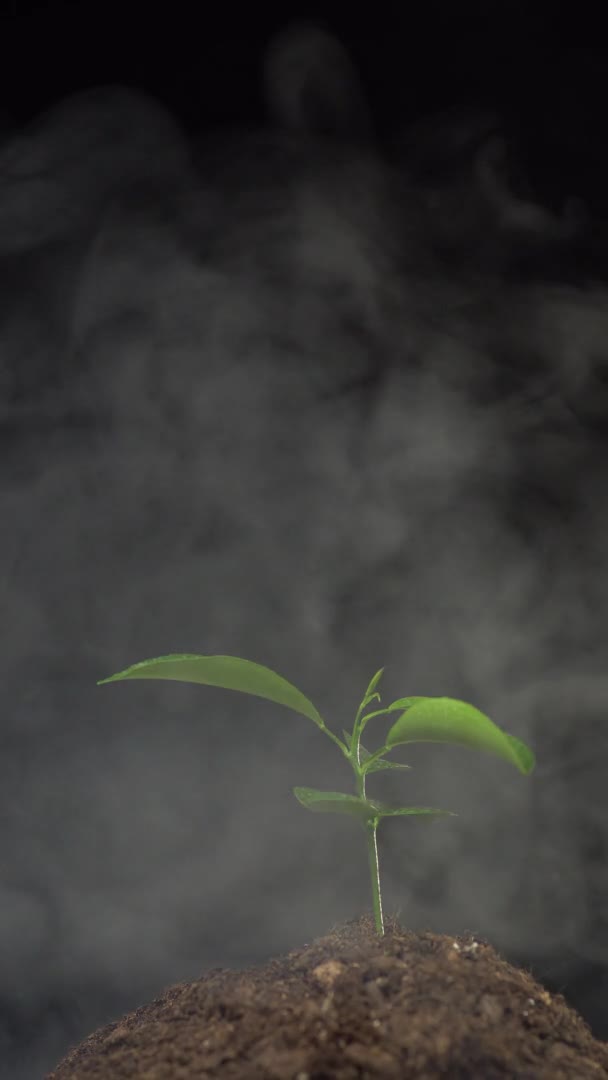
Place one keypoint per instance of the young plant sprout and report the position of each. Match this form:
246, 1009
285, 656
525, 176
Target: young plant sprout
420, 719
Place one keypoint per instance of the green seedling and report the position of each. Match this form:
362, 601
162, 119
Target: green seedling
420, 719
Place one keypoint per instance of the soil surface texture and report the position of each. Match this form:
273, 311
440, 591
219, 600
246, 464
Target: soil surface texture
352, 1006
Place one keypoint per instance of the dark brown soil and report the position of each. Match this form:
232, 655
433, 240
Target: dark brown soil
351, 1006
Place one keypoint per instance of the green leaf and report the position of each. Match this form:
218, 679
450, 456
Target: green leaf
382, 763
347, 737
229, 672
369, 693
374, 682
415, 811
335, 802
444, 719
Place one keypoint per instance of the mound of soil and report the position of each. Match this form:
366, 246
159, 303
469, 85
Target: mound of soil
352, 1006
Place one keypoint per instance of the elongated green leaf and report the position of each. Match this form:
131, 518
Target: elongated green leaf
376, 766
415, 811
382, 763
448, 720
370, 693
229, 672
335, 802
373, 684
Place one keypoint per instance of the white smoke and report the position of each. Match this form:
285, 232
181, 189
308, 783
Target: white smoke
247, 409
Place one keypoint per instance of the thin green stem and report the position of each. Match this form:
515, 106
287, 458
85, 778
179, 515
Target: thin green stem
355, 757
372, 851
334, 738
372, 846
368, 716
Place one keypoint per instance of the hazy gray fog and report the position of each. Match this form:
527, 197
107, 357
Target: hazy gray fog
263, 395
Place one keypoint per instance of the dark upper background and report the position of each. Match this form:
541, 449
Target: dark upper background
544, 73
